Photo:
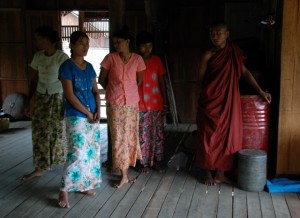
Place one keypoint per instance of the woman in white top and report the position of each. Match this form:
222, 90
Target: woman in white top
47, 112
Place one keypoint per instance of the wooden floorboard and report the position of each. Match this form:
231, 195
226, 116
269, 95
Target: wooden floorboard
239, 203
170, 202
186, 196
225, 201
267, 208
170, 194
253, 205
280, 207
146, 195
210, 207
197, 202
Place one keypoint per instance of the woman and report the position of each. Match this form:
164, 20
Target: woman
121, 74
82, 171
47, 119
152, 105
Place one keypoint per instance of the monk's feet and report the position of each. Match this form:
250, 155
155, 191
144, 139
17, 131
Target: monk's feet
125, 180
208, 178
35, 173
63, 200
221, 178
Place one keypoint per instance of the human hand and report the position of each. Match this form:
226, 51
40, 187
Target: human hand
266, 96
90, 117
96, 117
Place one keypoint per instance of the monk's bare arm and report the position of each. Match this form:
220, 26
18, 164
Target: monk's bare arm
203, 65
251, 80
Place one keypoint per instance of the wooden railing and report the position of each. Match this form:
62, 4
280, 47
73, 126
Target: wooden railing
66, 32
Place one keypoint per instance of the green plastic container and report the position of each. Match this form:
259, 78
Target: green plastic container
252, 167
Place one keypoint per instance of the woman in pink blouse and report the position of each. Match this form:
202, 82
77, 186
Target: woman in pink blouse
121, 74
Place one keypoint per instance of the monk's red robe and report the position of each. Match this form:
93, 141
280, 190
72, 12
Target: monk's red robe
219, 117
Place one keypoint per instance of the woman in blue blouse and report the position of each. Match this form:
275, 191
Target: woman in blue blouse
82, 171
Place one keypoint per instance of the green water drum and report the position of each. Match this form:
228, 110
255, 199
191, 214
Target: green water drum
252, 167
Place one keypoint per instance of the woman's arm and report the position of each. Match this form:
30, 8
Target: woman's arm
32, 89
139, 77
97, 100
162, 87
251, 80
103, 77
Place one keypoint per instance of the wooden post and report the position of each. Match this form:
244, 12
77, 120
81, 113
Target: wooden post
81, 21
116, 17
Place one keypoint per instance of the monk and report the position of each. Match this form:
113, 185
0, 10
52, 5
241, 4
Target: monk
219, 116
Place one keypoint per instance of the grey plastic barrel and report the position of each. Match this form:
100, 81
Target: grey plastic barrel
252, 167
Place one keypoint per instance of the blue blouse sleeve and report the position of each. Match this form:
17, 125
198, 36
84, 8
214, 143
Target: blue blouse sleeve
65, 70
91, 70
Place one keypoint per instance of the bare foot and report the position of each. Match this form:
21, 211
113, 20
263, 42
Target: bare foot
221, 178
208, 179
35, 173
144, 170
89, 193
124, 181
158, 168
63, 200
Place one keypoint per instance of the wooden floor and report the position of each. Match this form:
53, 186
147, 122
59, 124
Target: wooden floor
170, 194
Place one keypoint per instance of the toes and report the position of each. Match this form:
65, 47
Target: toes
63, 204
89, 193
117, 186
32, 175
122, 182
131, 180
144, 170
63, 200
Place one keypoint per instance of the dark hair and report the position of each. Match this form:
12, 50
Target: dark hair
219, 23
144, 37
48, 32
123, 33
77, 35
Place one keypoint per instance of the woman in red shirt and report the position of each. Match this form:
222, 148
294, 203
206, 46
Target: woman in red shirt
152, 104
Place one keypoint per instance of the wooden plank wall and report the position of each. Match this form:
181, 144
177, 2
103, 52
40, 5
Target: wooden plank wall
187, 38
289, 108
12, 49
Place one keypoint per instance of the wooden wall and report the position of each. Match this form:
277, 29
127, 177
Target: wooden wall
13, 62
289, 107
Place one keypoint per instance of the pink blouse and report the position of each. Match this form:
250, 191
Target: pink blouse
122, 86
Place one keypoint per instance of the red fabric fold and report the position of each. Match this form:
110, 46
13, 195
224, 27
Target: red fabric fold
219, 117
